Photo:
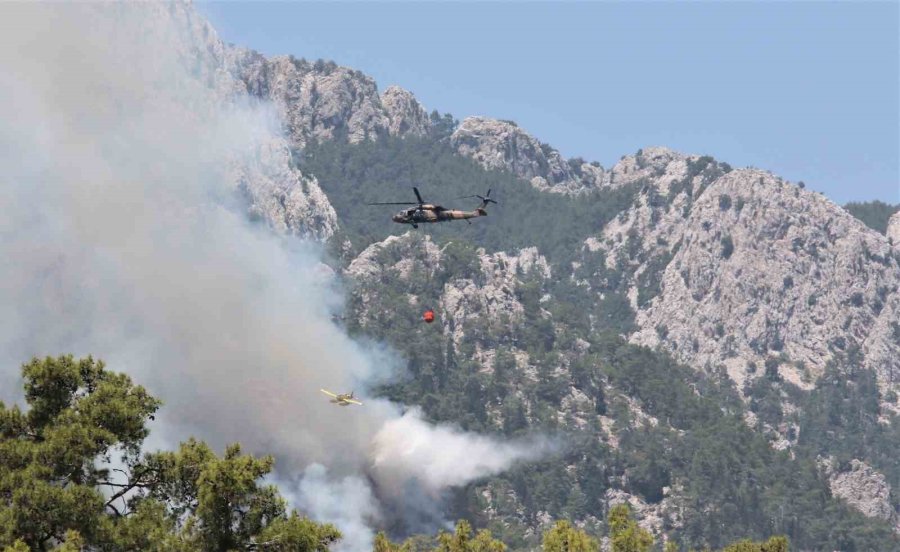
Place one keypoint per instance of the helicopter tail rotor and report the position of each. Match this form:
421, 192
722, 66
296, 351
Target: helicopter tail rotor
485, 199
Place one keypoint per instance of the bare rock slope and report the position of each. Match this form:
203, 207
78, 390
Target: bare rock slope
278, 192
734, 268
503, 145
863, 488
324, 101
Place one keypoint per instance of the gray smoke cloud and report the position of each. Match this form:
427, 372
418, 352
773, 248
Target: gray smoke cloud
122, 237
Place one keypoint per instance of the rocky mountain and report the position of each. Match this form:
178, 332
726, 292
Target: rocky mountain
510, 357
745, 269
502, 145
735, 273
752, 282
323, 101
701, 346
277, 191
313, 101
405, 114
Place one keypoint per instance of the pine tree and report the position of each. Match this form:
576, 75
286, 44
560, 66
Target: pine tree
625, 533
562, 537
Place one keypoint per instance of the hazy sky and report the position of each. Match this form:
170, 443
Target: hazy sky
808, 90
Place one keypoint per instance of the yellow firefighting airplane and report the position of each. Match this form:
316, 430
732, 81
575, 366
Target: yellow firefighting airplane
341, 399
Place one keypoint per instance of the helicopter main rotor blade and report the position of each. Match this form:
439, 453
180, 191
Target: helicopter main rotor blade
394, 203
419, 197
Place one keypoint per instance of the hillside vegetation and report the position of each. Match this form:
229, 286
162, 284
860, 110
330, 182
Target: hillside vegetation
59, 489
680, 442
386, 170
638, 421
874, 214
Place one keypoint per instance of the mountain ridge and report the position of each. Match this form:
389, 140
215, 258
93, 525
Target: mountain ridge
706, 266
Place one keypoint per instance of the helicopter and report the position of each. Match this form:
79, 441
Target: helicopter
429, 212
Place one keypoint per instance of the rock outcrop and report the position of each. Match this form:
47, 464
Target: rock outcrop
316, 100
656, 164
651, 517
863, 488
491, 294
893, 230
486, 293
405, 114
324, 101
734, 268
289, 201
502, 145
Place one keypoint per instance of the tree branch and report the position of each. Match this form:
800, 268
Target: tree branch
114, 509
136, 483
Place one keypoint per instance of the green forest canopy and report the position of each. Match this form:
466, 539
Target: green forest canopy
386, 170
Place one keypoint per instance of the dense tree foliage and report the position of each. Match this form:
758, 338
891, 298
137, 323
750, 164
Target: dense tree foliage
625, 534
385, 170
59, 489
874, 214
774, 544
563, 537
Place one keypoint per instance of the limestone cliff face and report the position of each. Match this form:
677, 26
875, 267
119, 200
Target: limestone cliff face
730, 268
486, 293
324, 101
490, 295
277, 191
317, 100
405, 114
311, 101
502, 145
289, 201
778, 270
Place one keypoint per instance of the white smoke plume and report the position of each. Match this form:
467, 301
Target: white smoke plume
121, 236
347, 502
442, 456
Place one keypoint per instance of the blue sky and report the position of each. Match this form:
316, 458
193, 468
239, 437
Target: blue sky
809, 90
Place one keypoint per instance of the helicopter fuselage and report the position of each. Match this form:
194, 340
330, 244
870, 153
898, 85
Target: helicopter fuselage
434, 213
429, 212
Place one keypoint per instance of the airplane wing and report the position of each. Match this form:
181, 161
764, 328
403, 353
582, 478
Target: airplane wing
353, 401
329, 393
